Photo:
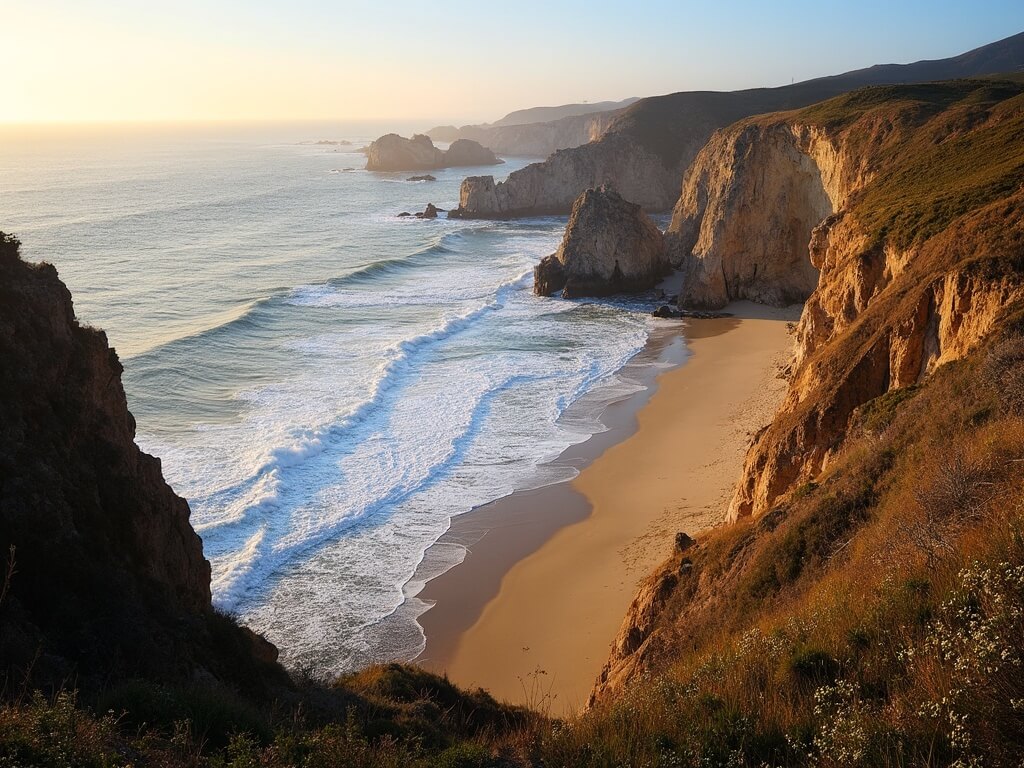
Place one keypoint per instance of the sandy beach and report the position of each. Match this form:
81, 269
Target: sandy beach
549, 573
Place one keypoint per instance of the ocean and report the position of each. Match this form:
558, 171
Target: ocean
327, 384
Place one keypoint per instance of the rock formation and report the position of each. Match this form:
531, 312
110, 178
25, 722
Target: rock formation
392, 152
645, 148
463, 152
838, 189
741, 226
919, 253
108, 577
610, 246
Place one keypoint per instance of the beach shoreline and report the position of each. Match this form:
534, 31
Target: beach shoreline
548, 573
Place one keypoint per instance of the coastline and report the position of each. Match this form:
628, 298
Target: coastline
548, 573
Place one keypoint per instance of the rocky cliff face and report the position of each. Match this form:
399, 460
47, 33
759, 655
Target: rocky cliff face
108, 576
644, 150
914, 267
395, 153
610, 246
907, 204
743, 221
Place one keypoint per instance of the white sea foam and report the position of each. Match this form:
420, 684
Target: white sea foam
329, 385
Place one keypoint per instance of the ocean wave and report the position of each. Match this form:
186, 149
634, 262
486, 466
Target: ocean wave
262, 555
261, 490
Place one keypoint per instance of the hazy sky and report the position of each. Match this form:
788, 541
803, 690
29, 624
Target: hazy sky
86, 60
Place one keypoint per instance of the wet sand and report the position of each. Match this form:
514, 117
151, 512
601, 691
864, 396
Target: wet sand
532, 610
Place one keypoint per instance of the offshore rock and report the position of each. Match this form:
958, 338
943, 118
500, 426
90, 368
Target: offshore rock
392, 152
610, 246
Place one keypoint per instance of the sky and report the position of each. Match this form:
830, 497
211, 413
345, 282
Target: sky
70, 61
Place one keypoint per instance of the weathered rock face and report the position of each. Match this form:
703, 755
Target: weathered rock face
465, 152
392, 152
610, 246
743, 221
110, 579
395, 153
786, 208
879, 320
552, 187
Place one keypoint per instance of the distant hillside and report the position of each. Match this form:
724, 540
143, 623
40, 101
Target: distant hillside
647, 146
534, 138
548, 114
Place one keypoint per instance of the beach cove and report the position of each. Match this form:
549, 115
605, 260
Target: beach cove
549, 573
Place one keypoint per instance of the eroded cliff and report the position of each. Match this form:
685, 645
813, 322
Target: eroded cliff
907, 206
106, 578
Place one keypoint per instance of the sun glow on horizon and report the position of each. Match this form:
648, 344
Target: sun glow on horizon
114, 61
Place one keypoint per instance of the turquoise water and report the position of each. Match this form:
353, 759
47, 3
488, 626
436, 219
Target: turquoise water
327, 384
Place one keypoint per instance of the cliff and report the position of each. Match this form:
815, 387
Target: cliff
392, 152
610, 246
536, 132
898, 214
106, 578
646, 147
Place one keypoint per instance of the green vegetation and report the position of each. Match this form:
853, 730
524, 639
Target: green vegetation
939, 151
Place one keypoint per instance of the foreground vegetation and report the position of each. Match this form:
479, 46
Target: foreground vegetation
876, 617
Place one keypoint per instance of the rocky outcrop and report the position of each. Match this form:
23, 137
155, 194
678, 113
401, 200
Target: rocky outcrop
465, 152
871, 327
551, 187
108, 577
829, 205
743, 221
395, 153
610, 246
645, 148
392, 152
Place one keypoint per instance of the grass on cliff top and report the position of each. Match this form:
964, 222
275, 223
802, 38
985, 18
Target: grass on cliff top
939, 151
876, 618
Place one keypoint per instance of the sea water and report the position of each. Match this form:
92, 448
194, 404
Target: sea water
326, 383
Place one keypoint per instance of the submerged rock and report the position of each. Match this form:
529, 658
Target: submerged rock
430, 212
610, 246
426, 177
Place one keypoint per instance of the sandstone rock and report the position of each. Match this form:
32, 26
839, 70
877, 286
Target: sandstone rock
392, 152
610, 246
743, 222
395, 153
684, 542
552, 187
465, 152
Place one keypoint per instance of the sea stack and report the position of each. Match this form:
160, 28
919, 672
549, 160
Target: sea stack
392, 152
610, 246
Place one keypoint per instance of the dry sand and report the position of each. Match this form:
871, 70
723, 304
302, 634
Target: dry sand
536, 629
